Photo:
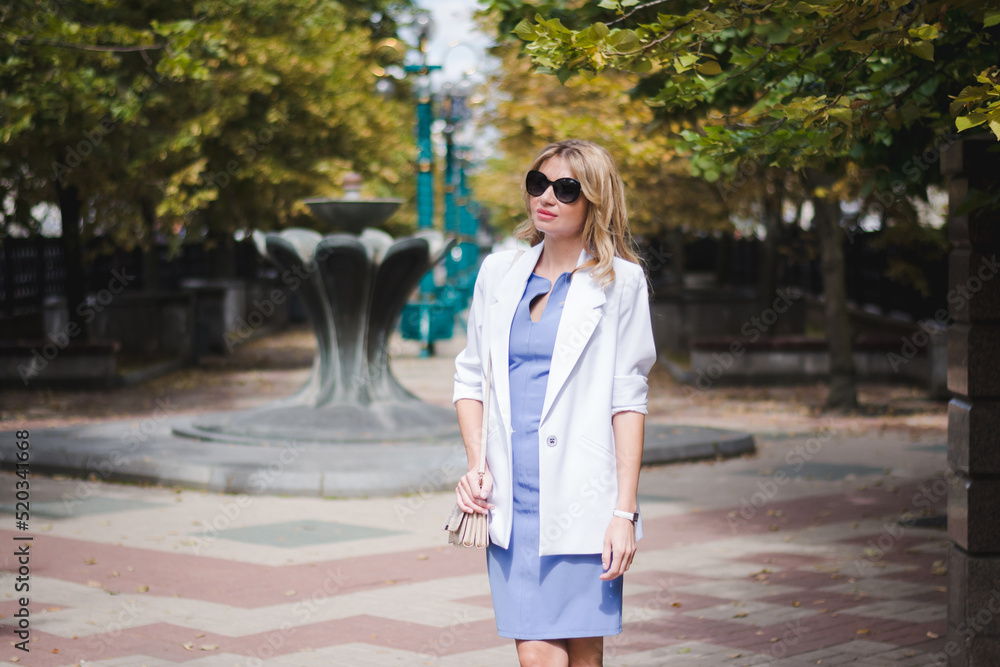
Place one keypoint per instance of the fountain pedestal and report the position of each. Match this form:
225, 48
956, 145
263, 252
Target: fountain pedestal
353, 287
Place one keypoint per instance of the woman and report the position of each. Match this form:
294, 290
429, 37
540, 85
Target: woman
567, 326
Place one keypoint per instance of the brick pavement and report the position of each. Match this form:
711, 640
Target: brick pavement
791, 557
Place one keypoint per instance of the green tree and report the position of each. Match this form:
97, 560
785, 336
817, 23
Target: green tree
824, 88
190, 119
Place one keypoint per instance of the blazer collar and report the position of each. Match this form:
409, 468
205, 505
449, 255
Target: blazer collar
581, 313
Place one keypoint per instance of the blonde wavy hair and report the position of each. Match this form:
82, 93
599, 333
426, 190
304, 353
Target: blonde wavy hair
606, 232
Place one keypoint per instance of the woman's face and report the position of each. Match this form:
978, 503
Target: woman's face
551, 216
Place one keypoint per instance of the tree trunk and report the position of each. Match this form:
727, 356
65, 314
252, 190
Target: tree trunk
221, 262
677, 260
826, 218
723, 257
150, 254
767, 278
75, 287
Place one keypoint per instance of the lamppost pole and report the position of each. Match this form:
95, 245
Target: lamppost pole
451, 109
425, 117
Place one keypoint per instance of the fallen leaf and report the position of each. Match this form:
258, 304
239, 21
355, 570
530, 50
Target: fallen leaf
188, 647
209, 647
864, 631
932, 635
290, 593
142, 589
89, 561
796, 603
741, 614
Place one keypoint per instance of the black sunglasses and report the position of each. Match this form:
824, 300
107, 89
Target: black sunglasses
566, 190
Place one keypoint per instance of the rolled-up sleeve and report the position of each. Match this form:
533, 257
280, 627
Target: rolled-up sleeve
468, 363
636, 351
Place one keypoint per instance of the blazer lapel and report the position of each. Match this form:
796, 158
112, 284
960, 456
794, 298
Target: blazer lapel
506, 297
581, 314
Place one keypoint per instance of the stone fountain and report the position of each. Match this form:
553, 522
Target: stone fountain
356, 281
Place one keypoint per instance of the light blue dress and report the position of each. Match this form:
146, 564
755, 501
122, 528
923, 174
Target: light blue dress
542, 597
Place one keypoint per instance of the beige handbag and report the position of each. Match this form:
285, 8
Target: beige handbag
470, 529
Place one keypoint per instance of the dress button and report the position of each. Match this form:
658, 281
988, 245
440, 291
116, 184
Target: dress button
551, 441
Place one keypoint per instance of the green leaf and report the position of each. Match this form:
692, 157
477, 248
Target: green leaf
601, 30
526, 31
624, 40
688, 59
641, 66
924, 32
963, 123
710, 68
995, 126
991, 18
714, 18
922, 49
841, 114
608, 4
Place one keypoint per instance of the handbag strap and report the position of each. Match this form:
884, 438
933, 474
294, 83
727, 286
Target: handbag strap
486, 397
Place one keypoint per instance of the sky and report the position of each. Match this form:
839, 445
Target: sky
456, 44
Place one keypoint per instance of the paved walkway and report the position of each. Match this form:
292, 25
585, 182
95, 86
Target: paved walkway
791, 557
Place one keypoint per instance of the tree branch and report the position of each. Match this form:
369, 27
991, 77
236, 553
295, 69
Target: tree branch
96, 47
635, 9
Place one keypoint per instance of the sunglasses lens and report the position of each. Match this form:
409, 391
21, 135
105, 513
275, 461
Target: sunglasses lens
536, 184
566, 190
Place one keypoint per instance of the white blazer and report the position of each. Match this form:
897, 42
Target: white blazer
603, 352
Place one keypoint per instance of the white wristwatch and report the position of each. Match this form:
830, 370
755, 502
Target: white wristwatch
631, 516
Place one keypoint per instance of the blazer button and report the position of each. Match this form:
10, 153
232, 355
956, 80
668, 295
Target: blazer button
551, 441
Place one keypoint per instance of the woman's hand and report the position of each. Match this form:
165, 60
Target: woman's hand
619, 548
472, 498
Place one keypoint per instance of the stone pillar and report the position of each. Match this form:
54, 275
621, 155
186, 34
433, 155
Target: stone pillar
974, 412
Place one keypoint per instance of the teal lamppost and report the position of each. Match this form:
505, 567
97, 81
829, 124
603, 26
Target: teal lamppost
431, 317
425, 117
466, 253
418, 318
453, 112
